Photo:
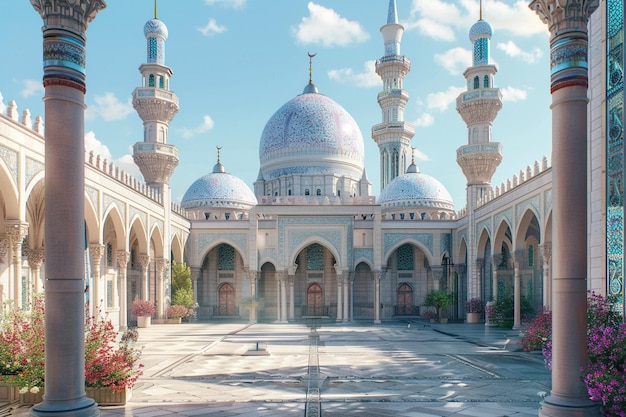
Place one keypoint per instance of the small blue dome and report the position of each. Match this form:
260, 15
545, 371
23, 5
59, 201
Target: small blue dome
480, 29
218, 189
415, 189
154, 27
311, 134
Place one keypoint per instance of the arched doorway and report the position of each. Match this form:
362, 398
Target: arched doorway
404, 306
226, 306
315, 301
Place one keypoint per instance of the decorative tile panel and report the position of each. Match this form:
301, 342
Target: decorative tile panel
391, 239
9, 156
33, 168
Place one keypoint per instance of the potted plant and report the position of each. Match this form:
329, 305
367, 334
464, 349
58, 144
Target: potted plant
504, 311
111, 367
144, 310
175, 313
474, 307
438, 299
429, 315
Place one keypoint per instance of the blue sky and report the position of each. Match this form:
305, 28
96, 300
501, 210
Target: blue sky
236, 62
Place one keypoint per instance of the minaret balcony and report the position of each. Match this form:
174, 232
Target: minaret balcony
395, 59
155, 104
152, 92
482, 93
394, 128
155, 148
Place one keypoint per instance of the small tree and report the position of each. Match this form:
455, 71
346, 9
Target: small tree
438, 299
182, 291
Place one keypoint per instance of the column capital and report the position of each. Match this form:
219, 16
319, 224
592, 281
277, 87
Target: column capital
546, 251
76, 17
161, 264
564, 15
15, 230
97, 251
122, 258
144, 260
36, 257
195, 272
4, 245
251, 274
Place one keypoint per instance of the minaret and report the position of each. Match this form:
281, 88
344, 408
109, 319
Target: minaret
393, 135
478, 107
156, 159
157, 106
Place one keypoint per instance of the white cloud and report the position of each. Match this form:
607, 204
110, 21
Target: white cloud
125, 163
455, 60
3, 107
206, 125
212, 28
442, 100
109, 108
367, 78
512, 50
513, 94
32, 87
423, 120
440, 20
326, 27
233, 4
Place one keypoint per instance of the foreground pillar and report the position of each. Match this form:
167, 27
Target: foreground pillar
64, 82
567, 21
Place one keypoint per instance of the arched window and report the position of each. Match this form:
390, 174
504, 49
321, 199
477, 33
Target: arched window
318, 192
151, 80
531, 255
288, 192
307, 192
476, 82
405, 258
161, 82
225, 258
314, 258
486, 82
109, 254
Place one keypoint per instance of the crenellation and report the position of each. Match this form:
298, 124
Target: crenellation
26, 120
12, 110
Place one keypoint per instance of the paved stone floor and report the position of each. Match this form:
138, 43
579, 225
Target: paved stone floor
392, 369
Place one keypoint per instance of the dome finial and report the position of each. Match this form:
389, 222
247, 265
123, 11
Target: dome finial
412, 154
217, 168
311, 66
155, 9
480, 15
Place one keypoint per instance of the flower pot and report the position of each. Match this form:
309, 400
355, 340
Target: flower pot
473, 318
505, 323
8, 393
144, 321
174, 320
29, 398
106, 396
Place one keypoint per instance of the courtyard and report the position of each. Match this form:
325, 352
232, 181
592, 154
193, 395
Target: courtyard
402, 369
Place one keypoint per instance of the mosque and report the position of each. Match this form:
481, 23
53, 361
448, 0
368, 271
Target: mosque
309, 238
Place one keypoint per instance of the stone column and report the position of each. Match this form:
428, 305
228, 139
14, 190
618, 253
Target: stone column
339, 296
292, 298
97, 251
378, 276
161, 265
283, 297
122, 262
64, 81
252, 277
567, 22
4, 246
495, 279
15, 232
35, 259
546, 259
195, 276
517, 296
144, 261
346, 296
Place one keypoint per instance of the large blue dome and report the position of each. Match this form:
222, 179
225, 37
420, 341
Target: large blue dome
311, 134
218, 189
415, 189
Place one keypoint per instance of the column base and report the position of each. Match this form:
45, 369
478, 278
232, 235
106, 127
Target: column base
85, 407
555, 407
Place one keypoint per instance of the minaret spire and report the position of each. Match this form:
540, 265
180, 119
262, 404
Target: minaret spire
311, 56
480, 15
478, 106
155, 9
392, 15
393, 135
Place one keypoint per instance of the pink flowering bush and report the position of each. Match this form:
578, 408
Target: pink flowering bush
143, 308
605, 371
177, 311
108, 363
538, 332
22, 352
474, 305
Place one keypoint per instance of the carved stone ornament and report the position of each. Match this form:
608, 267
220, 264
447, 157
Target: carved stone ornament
64, 12
562, 15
